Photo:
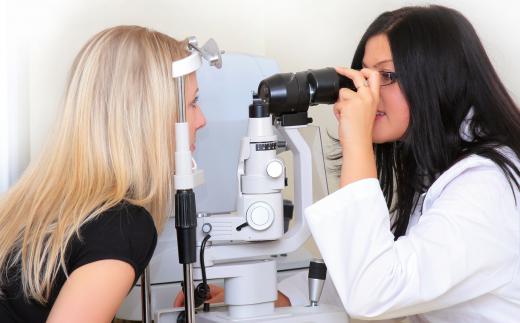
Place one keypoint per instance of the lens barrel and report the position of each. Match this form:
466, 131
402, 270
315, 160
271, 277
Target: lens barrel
289, 93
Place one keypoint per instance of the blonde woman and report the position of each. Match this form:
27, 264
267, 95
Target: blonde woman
80, 226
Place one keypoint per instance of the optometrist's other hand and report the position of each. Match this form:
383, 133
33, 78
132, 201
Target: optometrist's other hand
356, 110
216, 295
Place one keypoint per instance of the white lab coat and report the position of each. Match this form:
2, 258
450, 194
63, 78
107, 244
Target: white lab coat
458, 262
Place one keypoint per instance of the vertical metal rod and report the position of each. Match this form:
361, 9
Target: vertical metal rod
146, 296
181, 108
189, 301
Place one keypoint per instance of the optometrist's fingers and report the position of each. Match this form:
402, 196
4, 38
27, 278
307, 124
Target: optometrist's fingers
344, 95
360, 82
374, 80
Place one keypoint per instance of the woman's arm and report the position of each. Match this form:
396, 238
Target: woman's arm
356, 112
93, 292
464, 246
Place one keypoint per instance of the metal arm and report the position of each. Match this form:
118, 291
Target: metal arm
185, 179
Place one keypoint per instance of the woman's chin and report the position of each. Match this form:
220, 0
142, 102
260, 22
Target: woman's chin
381, 138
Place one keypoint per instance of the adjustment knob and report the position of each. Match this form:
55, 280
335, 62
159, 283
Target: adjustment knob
206, 228
275, 168
260, 216
317, 275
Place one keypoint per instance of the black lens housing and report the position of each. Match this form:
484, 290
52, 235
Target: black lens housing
291, 93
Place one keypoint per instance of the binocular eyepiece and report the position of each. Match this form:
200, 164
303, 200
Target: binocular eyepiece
293, 93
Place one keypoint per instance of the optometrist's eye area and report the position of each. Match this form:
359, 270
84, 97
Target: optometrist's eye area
388, 77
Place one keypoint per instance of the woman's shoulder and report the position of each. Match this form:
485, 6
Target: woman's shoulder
475, 172
123, 216
127, 212
124, 232
122, 223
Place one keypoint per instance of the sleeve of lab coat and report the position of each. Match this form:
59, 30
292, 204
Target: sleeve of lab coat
465, 245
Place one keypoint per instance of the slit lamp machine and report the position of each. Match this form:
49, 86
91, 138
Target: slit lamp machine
237, 246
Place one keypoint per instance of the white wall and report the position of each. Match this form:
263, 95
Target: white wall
14, 98
4, 139
303, 34
299, 34
59, 28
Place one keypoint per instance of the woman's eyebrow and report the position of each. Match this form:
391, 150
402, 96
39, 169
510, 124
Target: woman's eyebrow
378, 63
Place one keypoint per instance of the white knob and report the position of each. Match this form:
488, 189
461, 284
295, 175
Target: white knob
260, 216
206, 228
275, 168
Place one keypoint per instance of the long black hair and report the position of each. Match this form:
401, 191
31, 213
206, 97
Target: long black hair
443, 72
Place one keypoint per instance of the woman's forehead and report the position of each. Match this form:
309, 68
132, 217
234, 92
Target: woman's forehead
377, 52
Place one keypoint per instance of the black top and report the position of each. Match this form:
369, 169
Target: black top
125, 232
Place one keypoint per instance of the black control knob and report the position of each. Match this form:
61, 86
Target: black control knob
317, 276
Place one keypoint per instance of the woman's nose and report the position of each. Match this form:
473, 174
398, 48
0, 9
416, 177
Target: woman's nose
201, 119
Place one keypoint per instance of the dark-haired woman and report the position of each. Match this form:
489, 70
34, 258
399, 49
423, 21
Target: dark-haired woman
426, 223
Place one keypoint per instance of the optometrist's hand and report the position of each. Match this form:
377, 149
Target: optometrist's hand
216, 295
356, 113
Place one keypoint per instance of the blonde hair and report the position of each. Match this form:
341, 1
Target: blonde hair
114, 142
